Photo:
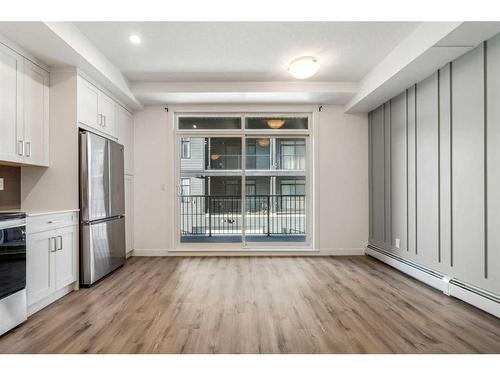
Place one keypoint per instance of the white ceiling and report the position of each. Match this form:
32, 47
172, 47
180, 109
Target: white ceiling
362, 63
244, 51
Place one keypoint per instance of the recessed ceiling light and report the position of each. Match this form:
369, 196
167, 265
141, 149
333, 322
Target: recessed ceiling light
135, 39
303, 67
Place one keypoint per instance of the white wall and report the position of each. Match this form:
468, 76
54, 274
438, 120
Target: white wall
153, 172
56, 187
342, 180
341, 183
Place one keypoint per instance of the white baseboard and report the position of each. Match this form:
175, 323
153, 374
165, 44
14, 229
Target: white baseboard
51, 299
149, 252
475, 299
475, 296
436, 281
260, 252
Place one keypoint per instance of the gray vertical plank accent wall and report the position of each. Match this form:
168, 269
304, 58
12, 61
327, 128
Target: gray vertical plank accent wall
398, 171
445, 166
435, 170
378, 167
493, 161
412, 193
388, 172
427, 171
468, 167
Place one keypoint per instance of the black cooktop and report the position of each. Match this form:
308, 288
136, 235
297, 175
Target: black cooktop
10, 215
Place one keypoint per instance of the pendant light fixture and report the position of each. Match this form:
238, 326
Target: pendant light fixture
275, 123
263, 142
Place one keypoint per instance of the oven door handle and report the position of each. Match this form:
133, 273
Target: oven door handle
13, 224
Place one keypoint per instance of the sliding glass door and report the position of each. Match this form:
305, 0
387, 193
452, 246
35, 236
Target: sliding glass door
210, 194
243, 180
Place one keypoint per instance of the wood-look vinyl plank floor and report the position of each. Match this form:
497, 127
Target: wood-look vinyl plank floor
256, 305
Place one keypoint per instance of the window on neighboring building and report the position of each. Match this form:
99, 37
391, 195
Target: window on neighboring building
232, 187
292, 194
185, 189
292, 153
258, 153
185, 148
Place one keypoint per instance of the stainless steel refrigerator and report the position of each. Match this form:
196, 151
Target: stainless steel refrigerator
102, 207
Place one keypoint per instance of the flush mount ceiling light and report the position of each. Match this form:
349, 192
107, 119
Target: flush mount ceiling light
215, 157
303, 67
275, 123
134, 39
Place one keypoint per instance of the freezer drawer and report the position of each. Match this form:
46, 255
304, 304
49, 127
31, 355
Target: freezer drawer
102, 249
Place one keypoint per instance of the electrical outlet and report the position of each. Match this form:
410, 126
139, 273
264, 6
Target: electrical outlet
1, 183
397, 243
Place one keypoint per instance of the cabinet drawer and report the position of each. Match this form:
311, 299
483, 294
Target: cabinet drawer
41, 223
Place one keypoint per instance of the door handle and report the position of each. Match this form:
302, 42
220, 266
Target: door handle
28, 149
52, 244
60, 246
20, 148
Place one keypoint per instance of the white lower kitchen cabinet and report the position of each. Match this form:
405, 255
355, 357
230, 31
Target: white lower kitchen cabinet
40, 265
52, 258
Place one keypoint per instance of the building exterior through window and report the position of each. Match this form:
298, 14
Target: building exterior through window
213, 171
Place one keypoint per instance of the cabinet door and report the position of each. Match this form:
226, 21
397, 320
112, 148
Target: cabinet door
88, 99
40, 266
66, 256
36, 115
129, 213
107, 109
11, 109
126, 138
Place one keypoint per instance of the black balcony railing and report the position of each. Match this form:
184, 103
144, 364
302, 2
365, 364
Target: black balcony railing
265, 215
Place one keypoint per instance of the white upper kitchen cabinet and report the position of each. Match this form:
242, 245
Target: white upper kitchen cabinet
11, 105
107, 110
88, 104
126, 138
96, 110
24, 110
36, 115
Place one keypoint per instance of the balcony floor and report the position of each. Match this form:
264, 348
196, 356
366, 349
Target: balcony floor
237, 238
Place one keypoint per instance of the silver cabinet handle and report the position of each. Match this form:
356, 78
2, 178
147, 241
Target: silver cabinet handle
104, 120
56, 221
28, 149
60, 246
20, 148
99, 119
52, 244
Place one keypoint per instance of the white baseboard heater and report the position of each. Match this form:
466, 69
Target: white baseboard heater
450, 286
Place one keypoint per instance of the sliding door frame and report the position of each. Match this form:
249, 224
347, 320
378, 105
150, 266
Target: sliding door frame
243, 134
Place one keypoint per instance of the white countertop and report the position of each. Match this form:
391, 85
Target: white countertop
40, 213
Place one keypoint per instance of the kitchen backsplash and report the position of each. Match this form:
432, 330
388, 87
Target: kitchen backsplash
10, 196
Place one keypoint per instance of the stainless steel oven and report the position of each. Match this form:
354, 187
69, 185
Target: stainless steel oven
13, 310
